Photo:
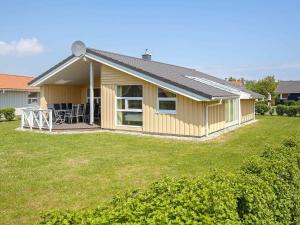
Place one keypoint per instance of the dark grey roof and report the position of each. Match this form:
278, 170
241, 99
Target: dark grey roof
175, 75
165, 72
286, 87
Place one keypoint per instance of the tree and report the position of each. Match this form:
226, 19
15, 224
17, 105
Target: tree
264, 86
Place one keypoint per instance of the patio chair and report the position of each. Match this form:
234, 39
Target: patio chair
58, 117
69, 106
81, 113
96, 112
87, 112
69, 116
56, 106
64, 106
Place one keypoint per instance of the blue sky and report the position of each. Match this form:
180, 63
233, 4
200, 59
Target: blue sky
249, 39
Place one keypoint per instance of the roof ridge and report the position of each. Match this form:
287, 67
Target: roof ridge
93, 49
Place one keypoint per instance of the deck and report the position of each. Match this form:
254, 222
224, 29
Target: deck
75, 126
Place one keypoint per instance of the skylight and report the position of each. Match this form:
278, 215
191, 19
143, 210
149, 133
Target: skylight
215, 84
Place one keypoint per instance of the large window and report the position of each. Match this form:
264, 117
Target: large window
97, 96
166, 101
231, 111
130, 105
33, 98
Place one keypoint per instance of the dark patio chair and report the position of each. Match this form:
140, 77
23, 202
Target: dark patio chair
56, 106
97, 112
69, 106
80, 113
64, 106
73, 114
87, 112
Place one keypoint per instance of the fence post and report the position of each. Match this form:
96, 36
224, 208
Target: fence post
40, 119
50, 120
31, 120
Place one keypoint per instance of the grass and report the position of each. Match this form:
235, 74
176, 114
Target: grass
40, 172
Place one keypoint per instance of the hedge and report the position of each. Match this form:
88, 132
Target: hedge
291, 110
265, 190
7, 113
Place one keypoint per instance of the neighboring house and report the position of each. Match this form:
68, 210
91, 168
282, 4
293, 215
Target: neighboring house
16, 93
289, 90
138, 94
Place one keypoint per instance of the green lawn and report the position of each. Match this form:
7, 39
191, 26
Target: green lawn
40, 171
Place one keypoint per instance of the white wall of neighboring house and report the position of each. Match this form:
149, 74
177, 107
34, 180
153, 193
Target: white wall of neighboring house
17, 100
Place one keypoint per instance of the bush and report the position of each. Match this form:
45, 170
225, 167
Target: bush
290, 102
8, 113
281, 109
291, 110
266, 190
261, 108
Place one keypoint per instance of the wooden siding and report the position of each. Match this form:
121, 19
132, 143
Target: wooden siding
189, 119
247, 110
216, 117
51, 94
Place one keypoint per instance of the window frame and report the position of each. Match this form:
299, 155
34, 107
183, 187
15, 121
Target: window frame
166, 99
126, 105
234, 109
30, 99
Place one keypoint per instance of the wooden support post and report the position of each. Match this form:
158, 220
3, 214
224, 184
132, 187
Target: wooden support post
91, 93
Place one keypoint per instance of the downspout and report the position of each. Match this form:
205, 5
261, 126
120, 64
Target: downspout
206, 114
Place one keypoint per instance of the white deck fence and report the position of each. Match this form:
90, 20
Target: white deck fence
36, 118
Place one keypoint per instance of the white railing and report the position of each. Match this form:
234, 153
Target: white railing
36, 118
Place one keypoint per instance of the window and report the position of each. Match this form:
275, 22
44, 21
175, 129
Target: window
130, 105
97, 96
231, 110
33, 98
166, 101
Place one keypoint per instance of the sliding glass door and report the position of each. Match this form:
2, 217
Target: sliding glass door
231, 112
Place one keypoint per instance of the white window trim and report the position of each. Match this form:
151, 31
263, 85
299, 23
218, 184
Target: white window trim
126, 105
164, 111
30, 99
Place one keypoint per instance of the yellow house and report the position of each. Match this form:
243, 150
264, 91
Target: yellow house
139, 94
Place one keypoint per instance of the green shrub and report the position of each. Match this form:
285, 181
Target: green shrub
290, 102
261, 108
291, 110
8, 113
281, 109
266, 190
1, 114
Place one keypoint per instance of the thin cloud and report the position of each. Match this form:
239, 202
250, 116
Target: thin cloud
22, 47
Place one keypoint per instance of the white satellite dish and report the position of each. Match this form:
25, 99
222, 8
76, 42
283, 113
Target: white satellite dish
78, 48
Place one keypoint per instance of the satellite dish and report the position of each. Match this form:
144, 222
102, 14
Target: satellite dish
78, 48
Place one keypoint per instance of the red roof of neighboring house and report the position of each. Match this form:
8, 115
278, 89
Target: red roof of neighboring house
15, 82
236, 82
